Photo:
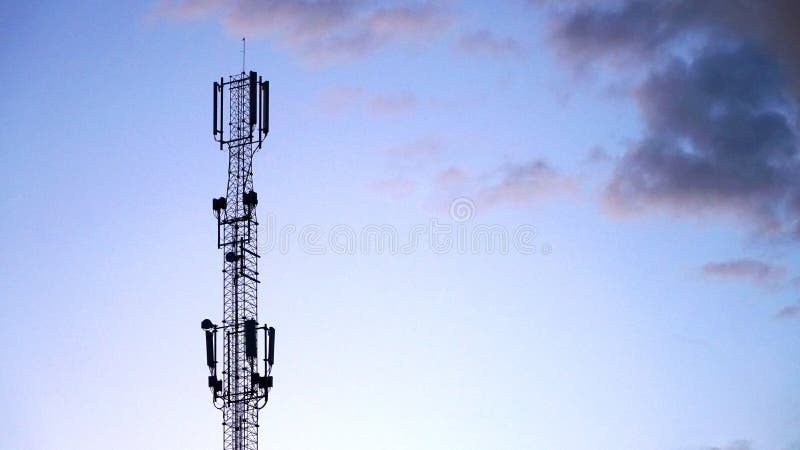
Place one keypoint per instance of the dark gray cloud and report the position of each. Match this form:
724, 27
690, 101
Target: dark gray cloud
745, 268
632, 28
645, 28
718, 140
320, 30
718, 93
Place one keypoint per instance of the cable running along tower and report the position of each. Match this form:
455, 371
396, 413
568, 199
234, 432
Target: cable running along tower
242, 387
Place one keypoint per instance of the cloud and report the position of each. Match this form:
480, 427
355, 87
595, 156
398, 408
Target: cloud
451, 177
320, 31
718, 140
745, 268
524, 184
515, 184
788, 312
485, 42
597, 155
193, 9
629, 29
736, 445
642, 29
718, 94
512, 184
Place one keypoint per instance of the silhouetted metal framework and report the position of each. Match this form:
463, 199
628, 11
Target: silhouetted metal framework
241, 389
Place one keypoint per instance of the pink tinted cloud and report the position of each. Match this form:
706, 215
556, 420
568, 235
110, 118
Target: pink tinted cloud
193, 9
320, 31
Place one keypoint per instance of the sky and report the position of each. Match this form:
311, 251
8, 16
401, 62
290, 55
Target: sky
587, 214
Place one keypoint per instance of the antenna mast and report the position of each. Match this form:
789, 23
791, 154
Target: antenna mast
242, 388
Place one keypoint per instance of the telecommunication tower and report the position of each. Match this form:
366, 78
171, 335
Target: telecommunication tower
242, 388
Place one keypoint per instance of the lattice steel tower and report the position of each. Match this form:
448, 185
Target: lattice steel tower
241, 391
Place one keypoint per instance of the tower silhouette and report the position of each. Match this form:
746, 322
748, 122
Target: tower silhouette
242, 388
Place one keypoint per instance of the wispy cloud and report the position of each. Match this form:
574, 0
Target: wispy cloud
596, 155
321, 31
736, 445
747, 269
485, 42
788, 312
523, 184
451, 177
512, 184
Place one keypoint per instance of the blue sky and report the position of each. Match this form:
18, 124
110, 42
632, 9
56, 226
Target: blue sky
658, 311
